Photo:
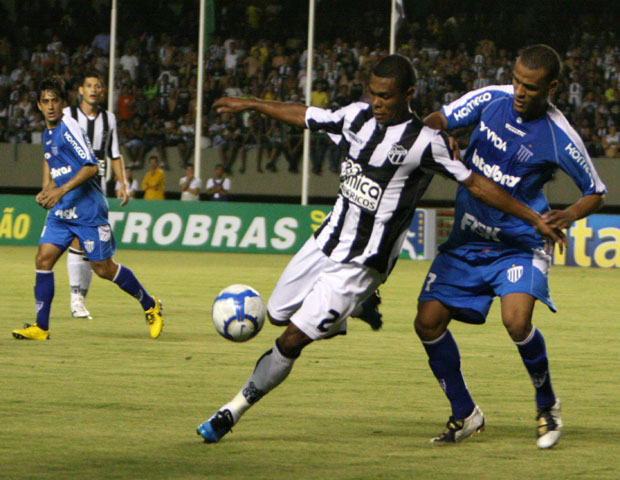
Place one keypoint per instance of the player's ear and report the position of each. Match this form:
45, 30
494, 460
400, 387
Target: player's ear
552, 86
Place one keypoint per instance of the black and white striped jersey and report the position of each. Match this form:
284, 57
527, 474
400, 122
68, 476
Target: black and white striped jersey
101, 131
384, 174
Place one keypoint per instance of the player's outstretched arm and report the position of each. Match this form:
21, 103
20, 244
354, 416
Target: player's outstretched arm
492, 194
293, 113
582, 208
47, 199
118, 167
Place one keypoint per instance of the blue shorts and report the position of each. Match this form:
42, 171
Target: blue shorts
468, 285
97, 242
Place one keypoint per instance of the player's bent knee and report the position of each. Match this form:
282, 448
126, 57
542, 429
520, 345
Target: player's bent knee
105, 268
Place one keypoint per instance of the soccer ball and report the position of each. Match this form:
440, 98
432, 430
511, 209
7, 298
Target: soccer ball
238, 313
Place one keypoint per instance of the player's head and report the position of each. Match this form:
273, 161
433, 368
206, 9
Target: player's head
91, 88
51, 96
535, 77
391, 87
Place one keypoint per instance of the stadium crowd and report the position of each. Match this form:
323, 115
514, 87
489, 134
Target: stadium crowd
155, 86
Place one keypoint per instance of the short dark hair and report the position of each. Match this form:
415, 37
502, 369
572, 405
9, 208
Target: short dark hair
52, 83
542, 56
90, 74
397, 67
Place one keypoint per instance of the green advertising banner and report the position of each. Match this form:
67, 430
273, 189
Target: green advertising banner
161, 224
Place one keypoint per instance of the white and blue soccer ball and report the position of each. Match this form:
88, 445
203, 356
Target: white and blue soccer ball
238, 313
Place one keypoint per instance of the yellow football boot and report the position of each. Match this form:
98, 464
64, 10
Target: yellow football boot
31, 332
154, 318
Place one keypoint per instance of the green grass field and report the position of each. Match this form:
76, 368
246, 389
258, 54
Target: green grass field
101, 400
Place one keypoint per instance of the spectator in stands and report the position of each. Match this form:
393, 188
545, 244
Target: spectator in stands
219, 185
190, 185
611, 142
253, 140
155, 137
153, 182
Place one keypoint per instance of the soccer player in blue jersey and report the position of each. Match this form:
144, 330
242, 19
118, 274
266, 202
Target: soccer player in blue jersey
519, 141
77, 208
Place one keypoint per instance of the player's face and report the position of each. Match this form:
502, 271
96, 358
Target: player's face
532, 90
91, 90
50, 105
389, 103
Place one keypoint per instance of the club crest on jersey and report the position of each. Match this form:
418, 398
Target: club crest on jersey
89, 245
397, 154
524, 154
514, 273
358, 188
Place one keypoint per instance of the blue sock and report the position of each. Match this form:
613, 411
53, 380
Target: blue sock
445, 362
534, 355
127, 281
43, 295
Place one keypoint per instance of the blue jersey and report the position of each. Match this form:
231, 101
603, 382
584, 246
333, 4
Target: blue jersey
67, 150
518, 155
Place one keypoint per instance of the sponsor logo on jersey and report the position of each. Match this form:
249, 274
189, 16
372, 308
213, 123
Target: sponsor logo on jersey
350, 135
57, 172
89, 245
514, 273
576, 155
493, 172
47, 156
493, 137
79, 150
48, 142
469, 222
358, 188
524, 153
469, 106
66, 214
514, 130
397, 154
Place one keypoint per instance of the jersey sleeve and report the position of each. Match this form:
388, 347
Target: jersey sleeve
332, 122
113, 150
467, 110
77, 143
437, 157
574, 160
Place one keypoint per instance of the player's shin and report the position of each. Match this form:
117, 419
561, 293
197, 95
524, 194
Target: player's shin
270, 370
128, 282
43, 295
534, 355
445, 362
79, 272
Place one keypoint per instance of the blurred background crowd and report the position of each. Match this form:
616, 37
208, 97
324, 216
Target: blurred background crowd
258, 48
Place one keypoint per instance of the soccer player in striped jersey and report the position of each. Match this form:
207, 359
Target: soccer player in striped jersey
518, 142
101, 131
390, 159
77, 208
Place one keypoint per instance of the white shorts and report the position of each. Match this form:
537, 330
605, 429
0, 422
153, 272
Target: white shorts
317, 294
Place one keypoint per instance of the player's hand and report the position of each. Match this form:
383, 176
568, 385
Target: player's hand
231, 104
551, 235
124, 195
48, 198
559, 219
454, 146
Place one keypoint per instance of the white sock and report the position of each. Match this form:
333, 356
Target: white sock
80, 273
271, 370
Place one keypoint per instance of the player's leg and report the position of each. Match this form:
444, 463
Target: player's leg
317, 295
47, 256
128, 282
80, 276
523, 280
449, 292
431, 325
271, 370
517, 309
368, 311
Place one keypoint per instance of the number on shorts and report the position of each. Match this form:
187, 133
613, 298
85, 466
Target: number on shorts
431, 278
327, 323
